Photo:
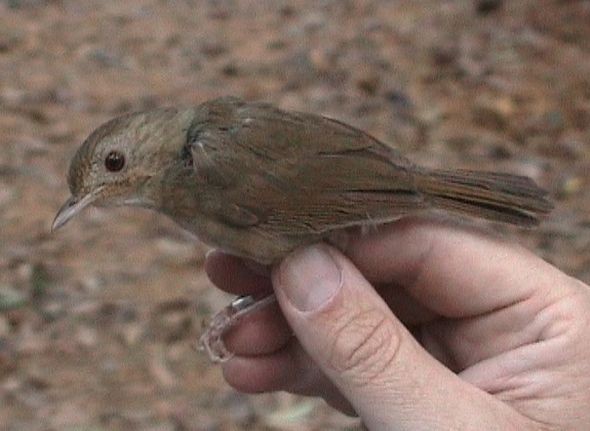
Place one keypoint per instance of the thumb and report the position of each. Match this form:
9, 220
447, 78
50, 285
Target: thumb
391, 381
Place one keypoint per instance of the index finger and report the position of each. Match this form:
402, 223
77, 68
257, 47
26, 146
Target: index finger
452, 270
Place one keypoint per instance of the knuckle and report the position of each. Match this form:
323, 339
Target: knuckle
364, 346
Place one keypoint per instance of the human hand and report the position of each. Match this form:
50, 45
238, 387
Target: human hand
424, 326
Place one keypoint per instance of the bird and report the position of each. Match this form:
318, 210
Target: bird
257, 181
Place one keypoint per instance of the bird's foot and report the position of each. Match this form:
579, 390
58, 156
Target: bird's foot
212, 339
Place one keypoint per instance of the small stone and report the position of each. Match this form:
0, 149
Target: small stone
313, 21
4, 326
8, 42
105, 58
493, 112
91, 283
239, 408
86, 337
444, 56
399, 100
31, 341
230, 70
276, 45
40, 280
485, 7
131, 333
174, 326
53, 310
554, 121
213, 49
11, 384
11, 299
295, 415
287, 11
8, 357
12, 95
569, 146
176, 251
160, 371
7, 195
322, 60
369, 83
571, 186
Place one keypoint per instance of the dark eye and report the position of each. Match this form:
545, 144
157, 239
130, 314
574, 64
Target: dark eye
114, 161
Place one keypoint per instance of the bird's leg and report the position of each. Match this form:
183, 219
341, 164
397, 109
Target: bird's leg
212, 339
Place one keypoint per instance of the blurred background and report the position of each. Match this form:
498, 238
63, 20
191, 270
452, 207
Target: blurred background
98, 322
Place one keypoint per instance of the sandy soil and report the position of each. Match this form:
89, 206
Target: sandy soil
98, 322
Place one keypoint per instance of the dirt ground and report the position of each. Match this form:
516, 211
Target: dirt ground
98, 322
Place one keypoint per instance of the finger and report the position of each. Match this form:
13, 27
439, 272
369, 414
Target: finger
241, 277
231, 274
290, 369
369, 355
451, 270
405, 307
261, 333
259, 374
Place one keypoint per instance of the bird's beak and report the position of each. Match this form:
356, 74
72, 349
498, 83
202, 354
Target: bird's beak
73, 206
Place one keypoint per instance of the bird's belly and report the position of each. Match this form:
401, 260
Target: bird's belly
249, 242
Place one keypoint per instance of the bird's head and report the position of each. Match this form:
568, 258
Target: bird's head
117, 161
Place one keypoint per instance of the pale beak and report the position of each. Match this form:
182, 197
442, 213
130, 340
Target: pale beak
73, 206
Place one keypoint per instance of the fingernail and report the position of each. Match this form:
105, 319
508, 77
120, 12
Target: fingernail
310, 277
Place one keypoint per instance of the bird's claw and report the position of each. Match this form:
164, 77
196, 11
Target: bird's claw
212, 339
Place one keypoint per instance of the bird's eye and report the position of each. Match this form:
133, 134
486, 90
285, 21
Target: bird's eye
115, 161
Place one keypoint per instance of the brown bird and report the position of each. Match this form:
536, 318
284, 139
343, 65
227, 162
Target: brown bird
257, 181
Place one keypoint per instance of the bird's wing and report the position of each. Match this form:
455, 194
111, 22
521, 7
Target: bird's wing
295, 172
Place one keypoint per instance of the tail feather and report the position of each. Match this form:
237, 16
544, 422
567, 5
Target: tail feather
499, 197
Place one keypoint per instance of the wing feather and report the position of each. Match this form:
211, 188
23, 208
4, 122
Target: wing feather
296, 173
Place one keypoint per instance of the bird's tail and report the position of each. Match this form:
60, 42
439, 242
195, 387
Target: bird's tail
495, 196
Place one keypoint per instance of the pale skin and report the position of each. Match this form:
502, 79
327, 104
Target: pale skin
426, 325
